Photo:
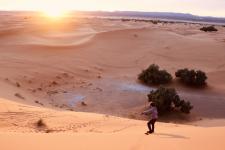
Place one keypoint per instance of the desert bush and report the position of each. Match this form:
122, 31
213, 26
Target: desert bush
167, 100
83, 104
124, 20
154, 21
19, 95
208, 29
152, 75
40, 123
17, 84
192, 77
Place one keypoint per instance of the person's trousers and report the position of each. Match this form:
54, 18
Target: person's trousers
151, 125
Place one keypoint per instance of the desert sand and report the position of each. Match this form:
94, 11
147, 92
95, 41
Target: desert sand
80, 76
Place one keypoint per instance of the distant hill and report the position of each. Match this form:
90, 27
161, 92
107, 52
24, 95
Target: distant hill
157, 15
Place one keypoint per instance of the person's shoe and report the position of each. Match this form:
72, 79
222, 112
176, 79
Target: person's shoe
150, 132
147, 133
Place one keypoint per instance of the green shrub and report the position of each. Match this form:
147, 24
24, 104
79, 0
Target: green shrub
208, 29
192, 77
167, 100
152, 75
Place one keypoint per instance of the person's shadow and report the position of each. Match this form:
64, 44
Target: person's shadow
167, 135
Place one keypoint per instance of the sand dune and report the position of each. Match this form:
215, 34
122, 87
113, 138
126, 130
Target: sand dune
69, 130
47, 72
92, 74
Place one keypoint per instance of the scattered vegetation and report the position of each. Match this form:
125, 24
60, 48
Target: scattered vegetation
42, 127
39, 89
99, 76
152, 75
54, 83
167, 100
19, 96
83, 104
37, 102
155, 21
17, 84
40, 123
209, 29
147, 21
124, 20
52, 92
192, 77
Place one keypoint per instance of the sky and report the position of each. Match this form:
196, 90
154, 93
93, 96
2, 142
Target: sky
196, 7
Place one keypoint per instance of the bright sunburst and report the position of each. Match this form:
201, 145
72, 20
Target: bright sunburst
54, 13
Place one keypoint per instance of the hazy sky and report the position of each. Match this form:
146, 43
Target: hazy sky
197, 7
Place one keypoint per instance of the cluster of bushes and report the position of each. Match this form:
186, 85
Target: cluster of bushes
208, 29
167, 100
152, 75
192, 77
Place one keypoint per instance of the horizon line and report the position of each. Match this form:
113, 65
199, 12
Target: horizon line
139, 11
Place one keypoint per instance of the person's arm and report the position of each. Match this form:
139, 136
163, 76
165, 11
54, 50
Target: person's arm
148, 111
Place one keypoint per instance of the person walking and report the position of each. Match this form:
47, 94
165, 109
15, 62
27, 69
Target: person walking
154, 116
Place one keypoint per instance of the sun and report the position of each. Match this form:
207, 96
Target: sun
54, 13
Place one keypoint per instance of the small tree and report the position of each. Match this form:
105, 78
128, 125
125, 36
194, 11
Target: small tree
192, 77
167, 100
209, 29
152, 75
